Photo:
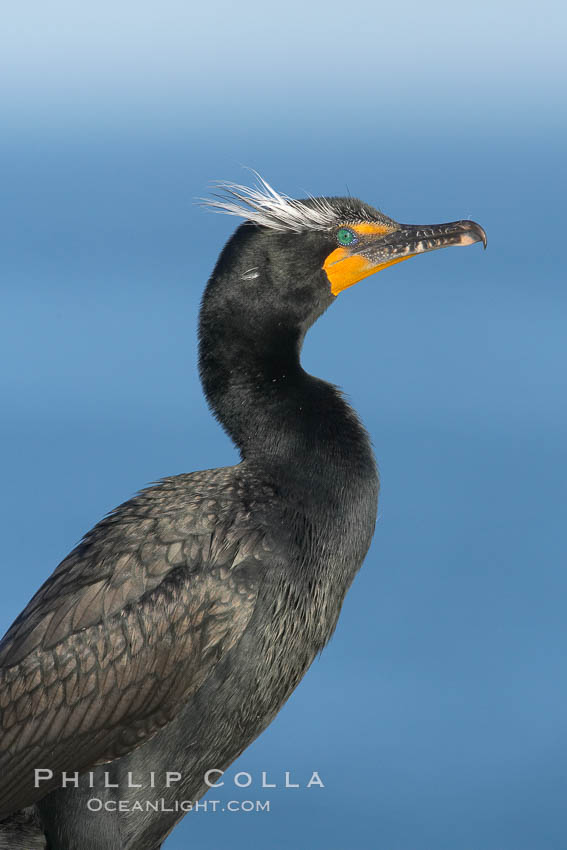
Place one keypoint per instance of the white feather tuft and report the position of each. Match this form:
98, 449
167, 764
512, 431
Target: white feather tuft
262, 205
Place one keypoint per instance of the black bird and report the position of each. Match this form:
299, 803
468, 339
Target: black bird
171, 636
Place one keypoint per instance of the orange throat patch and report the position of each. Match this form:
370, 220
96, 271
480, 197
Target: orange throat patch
345, 269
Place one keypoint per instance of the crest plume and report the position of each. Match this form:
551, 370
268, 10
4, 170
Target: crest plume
264, 206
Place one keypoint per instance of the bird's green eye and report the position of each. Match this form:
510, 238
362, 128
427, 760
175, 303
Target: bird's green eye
345, 236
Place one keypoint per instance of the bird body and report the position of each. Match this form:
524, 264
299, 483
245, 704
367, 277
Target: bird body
171, 636
228, 606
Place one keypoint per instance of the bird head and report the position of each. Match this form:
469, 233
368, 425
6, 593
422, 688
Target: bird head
301, 254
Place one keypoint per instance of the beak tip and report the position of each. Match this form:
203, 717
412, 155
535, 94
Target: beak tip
476, 233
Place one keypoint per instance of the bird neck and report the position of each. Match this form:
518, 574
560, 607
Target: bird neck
274, 411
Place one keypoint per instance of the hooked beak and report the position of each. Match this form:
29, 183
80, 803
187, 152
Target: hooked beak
383, 246
413, 239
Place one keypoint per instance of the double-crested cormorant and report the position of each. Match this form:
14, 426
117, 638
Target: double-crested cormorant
172, 635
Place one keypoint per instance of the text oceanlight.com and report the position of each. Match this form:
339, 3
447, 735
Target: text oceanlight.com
95, 804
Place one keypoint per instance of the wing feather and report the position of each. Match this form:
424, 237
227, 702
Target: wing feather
125, 630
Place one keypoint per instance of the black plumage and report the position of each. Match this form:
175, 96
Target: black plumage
175, 631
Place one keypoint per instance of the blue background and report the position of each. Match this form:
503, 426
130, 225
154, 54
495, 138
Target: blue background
436, 716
